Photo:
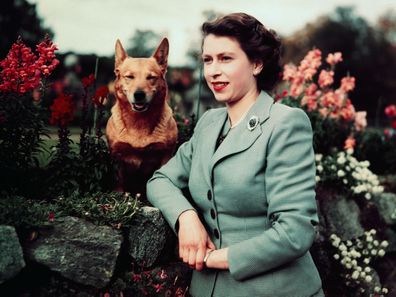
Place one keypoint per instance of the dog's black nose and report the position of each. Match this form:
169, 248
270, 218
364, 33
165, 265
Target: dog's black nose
139, 96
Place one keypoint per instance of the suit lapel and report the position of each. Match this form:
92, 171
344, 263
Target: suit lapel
209, 138
241, 137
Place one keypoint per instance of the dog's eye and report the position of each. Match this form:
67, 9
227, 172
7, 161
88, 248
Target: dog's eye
151, 77
129, 76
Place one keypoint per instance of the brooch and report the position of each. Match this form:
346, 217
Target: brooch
253, 122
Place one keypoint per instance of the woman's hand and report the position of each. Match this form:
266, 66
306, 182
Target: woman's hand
218, 259
194, 241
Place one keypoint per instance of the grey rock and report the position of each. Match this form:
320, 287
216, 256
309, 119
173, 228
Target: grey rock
78, 250
148, 236
11, 255
342, 217
386, 204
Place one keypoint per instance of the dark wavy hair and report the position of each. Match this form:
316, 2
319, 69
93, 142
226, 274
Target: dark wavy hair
259, 44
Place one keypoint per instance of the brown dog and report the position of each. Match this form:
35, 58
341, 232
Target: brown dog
141, 131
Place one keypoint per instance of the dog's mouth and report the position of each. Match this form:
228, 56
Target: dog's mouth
140, 107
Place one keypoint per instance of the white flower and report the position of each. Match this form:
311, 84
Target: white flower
319, 168
384, 244
367, 269
333, 167
367, 196
318, 157
368, 278
377, 289
355, 275
317, 178
373, 252
341, 160
385, 290
340, 173
345, 181
381, 252
336, 256
349, 151
366, 261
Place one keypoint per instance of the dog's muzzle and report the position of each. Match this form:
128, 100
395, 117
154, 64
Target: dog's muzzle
140, 101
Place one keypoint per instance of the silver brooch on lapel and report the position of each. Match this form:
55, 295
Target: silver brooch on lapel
253, 122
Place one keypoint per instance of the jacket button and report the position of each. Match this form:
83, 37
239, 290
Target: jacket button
216, 233
212, 213
209, 195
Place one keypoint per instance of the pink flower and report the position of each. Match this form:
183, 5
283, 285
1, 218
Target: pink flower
289, 72
310, 64
347, 84
350, 143
296, 89
393, 124
335, 58
360, 120
348, 113
326, 78
390, 111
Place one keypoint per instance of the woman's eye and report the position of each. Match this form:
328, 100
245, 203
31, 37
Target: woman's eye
206, 60
226, 58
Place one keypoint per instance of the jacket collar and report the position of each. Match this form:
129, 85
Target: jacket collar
240, 138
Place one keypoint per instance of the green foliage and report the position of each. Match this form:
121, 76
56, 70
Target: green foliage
372, 145
22, 129
20, 212
114, 209
185, 127
96, 170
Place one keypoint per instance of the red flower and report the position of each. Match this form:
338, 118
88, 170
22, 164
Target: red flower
88, 81
136, 277
62, 110
393, 125
51, 216
390, 111
22, 70
100, 95
158, 287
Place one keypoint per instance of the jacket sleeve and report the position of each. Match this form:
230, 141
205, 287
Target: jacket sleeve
290, 190
164, 189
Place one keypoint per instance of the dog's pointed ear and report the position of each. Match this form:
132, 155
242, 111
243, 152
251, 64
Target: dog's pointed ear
161, 54
120, 54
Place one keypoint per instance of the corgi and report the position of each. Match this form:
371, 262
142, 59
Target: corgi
141, 131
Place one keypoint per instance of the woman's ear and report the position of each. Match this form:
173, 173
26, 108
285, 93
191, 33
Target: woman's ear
257, 67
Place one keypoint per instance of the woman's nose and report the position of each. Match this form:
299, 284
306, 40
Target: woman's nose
213, 69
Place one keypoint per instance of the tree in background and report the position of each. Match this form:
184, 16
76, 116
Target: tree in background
19, 18
368, 54
143, 43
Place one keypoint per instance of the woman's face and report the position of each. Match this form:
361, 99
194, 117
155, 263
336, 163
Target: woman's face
227, 69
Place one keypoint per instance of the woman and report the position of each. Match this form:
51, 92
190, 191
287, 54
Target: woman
249, 167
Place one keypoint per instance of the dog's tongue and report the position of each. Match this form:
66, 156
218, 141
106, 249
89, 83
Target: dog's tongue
139, 105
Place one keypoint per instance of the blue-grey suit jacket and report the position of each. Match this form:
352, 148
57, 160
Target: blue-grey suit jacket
255, 195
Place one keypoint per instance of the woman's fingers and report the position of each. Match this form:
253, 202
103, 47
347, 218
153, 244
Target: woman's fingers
210, 244
199, 259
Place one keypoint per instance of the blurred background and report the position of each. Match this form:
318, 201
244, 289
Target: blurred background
364, 31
